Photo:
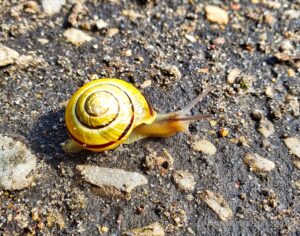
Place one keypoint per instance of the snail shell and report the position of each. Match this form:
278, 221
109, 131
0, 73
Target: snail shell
102, 114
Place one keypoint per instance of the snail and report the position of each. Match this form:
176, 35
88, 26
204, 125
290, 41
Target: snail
107, 112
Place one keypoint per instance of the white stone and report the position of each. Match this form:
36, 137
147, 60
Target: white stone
232, 75
16, 164
76, 36
52, 7
266, 128
292, 14
218, 204
25, 60
111, 32
184, 180
293, 144
286, 45
258, 163
205, 147
269, 92
216, 14
154, 229
7, 55
190, 38
294, 104
297, 164
112, 182
43, 41
146, 83
100, 24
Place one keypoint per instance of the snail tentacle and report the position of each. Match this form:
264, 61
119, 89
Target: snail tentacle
166, 125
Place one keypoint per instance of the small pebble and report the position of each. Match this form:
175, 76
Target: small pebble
283, 56
297, 184
184, 180
291, 72
7, 55
294, 104
243, 196
146, 83
218, 204
203, 70
258, 164
219, 41
292, 14
75, 11
154, 229
216, 14
43, 41
297, 164
131, 14
272, 4
103, 229
52, 7
266, 128
233, 75
100, 24
257, 114
293, 144
115, 183
127, 53
55, 218
224, 132
190, 38
213, 123
265, 143
31, 7
93, 77
269, 19
243, 141
205, 147
112, 32
162, 163
76, 36
269, 92
286, 45
191, 231
16, 164
172, 71
24, 61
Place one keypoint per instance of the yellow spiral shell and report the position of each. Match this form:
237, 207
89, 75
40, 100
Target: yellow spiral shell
102, 114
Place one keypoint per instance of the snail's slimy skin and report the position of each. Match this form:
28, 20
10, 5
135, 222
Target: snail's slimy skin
107, 112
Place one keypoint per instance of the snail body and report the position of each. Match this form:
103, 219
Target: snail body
107, 112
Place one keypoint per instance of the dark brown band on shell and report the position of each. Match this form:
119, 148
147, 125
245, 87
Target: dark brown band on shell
91, 145
128, 127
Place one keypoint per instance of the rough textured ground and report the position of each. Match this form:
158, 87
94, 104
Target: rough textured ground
32, 98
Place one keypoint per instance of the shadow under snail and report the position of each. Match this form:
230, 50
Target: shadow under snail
105, 113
